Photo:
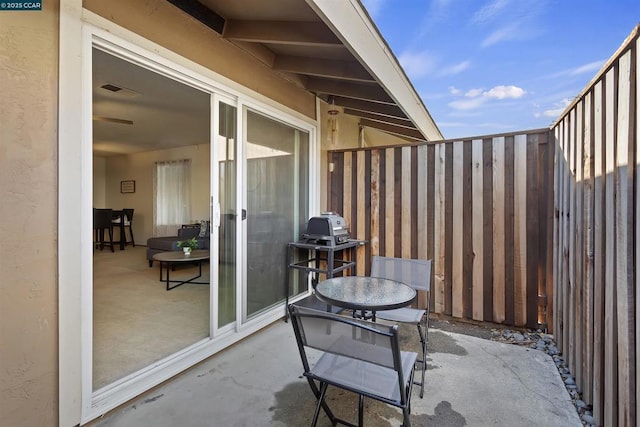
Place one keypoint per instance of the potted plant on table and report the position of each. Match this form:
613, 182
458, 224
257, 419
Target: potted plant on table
188, 245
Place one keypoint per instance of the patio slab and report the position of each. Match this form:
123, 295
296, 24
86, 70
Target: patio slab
470, 382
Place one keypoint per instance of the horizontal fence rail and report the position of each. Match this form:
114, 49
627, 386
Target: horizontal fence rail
596, 235
481, 209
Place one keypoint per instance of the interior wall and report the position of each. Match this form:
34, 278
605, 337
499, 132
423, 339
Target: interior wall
28, 184
99, 184
139, 167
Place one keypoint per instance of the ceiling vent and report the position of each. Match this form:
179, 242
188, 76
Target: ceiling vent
118, 91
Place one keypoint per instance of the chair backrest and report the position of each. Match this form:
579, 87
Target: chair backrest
102, 218
129, 215
366, 341
413, 272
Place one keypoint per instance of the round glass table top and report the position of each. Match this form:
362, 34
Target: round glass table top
365, 293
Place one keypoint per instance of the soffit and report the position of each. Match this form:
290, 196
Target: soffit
299, 39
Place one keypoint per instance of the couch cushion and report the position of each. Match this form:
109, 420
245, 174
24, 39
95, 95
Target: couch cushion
169, 243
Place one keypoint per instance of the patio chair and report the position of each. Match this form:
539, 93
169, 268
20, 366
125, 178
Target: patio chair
417, 274
358, 356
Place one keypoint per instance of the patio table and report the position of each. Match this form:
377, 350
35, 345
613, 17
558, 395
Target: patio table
365, 294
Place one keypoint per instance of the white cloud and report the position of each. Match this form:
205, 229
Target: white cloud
489, 11
587, 68
454, 90
417, 64
455, 69
472, 93
509, 32
467, 104
474, 98
503, 92
557, 109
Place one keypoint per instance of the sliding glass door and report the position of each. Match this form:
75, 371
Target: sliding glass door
277, 203
227, 188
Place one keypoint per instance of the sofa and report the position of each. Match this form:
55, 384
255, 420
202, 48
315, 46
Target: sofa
170, 243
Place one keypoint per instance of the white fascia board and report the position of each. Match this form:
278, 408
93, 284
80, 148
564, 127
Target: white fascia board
351, 23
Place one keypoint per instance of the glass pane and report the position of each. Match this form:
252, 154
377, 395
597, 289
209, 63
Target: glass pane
277, 204
227, 192
142, 119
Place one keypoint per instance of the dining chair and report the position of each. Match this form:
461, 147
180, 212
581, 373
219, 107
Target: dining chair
354, 355
102, 220
417, 274
128, 224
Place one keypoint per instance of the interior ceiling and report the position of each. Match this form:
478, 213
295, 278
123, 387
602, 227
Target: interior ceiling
286, 35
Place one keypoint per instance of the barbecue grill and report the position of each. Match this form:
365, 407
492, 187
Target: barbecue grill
329, 229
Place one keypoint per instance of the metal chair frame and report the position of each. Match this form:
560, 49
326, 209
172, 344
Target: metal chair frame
417, 274
359, 356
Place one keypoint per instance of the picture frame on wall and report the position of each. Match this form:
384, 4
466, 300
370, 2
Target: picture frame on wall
128, 186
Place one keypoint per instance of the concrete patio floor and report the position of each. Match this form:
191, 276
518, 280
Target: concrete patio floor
258, 382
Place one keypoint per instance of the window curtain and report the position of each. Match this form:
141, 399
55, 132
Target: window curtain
172, 196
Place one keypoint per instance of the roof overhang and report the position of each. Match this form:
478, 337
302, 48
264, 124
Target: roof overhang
330, 48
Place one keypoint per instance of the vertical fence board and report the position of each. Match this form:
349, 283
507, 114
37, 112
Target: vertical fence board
346, 187
637, 222
579, 216
598, 248
520, 230
571, 319
439, 220
498, 230
423, 203
477, 227
457, 229
389, 201
487, 232
374, 239
566, 292
361, 195
611, 341
587, 251
624, 249
534, 215
405, 196
467, 233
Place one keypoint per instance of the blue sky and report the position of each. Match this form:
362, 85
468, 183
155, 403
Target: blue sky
491, 66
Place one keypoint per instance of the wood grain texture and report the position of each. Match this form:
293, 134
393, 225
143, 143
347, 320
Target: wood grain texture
477, 227
498, 165
439, 221
611, 336
360, 212
405, 203
598, 248
457, 230
624, 248
374, 238
520, 230
389, 198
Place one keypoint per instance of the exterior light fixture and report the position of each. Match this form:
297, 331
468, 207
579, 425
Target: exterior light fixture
332, 123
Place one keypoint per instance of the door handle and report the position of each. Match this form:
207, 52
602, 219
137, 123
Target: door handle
244, 214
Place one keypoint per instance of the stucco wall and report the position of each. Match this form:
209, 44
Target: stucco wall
28, 171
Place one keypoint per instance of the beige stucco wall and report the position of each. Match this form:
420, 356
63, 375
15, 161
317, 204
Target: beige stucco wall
28, 171
139, 167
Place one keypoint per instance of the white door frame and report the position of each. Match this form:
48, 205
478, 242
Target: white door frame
80, 31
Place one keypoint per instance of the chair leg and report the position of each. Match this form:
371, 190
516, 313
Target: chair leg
323, 391
360, 410
111, 239
133, 242
423, 362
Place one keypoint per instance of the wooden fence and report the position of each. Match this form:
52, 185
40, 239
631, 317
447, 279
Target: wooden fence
596, 235
480, 208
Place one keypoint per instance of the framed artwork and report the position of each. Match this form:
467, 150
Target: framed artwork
127, 186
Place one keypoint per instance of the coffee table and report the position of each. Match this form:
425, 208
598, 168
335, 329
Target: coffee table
175, 257
365, 294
